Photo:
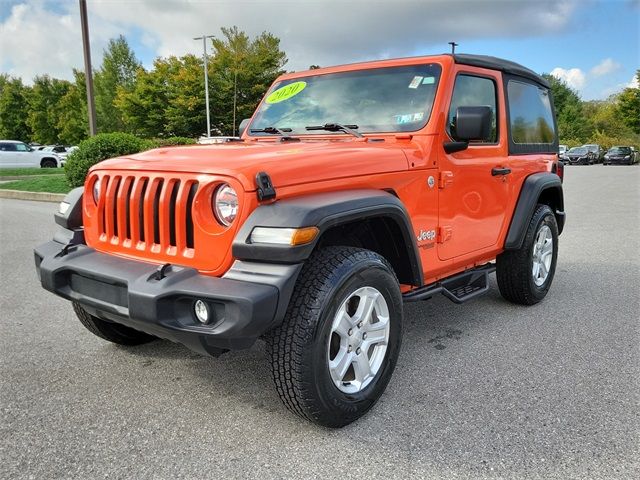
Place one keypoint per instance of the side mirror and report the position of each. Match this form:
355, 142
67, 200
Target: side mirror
243, 126
471, 123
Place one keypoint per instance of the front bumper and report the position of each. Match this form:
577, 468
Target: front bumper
245, 303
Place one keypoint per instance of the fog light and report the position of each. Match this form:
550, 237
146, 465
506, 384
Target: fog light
202, 311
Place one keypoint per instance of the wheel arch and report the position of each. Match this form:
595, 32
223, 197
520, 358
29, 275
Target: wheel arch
372, 219
539, 188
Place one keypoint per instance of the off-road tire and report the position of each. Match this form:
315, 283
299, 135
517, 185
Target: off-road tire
298, 347
112, 332
49, 163
514, 267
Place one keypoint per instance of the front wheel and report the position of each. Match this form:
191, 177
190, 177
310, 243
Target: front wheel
337, 347
112, 332
48, 163
525, 275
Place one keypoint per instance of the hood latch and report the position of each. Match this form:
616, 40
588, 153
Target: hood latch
265, 187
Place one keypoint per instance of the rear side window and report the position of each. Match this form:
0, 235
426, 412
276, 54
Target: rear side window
472, 91
21, 147
531, 122
7, 147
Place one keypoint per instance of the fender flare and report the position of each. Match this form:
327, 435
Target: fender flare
323, 210
532, 188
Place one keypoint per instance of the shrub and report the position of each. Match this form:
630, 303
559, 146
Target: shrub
171, 141
99, 148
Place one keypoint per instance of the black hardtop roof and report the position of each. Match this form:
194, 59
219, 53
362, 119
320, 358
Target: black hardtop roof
494, 63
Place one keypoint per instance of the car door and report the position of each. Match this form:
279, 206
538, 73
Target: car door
26, 156
8, 155
473, 182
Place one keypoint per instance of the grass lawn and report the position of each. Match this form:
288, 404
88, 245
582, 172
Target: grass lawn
39, 184
14, 172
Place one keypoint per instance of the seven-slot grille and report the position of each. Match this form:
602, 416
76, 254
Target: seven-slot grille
147, 213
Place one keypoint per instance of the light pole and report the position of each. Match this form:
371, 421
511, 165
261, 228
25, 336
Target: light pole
206, 80
91, 106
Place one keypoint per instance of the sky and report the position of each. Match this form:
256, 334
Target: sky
594, 45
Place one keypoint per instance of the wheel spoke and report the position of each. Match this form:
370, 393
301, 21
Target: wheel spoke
365, 307
361, 367
536, 269
343, 322
339, 366
376, 333
548, 247
543, 270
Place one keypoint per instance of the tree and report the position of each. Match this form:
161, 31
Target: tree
14, 110
44, 108
241, 70
629, 106
118, 70
73, 124
572, 122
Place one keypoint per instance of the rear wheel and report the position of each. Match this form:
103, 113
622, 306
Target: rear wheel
525, 275
113, 332
336, 349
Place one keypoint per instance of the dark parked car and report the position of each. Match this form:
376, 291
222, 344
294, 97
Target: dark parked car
597, 150
620, 156
579, 156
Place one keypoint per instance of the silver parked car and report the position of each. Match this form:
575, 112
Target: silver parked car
15, 154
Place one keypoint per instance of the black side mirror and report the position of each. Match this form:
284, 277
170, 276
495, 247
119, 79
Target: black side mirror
470, 123
473, 123
243, 126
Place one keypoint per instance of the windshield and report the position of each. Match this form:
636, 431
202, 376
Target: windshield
591, 148
393, 99
578, 150
624, 150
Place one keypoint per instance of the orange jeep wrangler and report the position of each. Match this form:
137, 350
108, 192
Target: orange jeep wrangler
352, 189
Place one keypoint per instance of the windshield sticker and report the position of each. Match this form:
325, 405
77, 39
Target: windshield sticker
415, 83
429, 80
409, 118
286, 92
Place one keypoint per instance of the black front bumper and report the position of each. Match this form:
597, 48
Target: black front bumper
245, 303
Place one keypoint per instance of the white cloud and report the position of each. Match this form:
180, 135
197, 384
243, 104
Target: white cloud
605, 67
43, 36
574, 77
634, 82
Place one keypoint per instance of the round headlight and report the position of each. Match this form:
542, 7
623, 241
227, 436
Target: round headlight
96, 190
225, 204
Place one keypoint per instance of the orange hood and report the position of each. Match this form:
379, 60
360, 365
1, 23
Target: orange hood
287, 163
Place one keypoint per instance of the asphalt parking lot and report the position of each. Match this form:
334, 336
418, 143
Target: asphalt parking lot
483, 390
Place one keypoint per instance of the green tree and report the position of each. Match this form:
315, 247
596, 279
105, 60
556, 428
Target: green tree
14, 109
241, 70
185, 111
572, 122
118, 71
629, 106
73, 124
44, 108
143, 107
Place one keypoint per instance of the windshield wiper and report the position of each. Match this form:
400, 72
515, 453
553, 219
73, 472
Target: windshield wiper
277, 131
336, 127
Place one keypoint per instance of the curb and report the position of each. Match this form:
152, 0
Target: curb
36, 196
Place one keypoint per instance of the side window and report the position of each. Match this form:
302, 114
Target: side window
8, 147
472, 91
21, 147
530, 116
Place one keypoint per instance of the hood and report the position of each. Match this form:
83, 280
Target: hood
287, 163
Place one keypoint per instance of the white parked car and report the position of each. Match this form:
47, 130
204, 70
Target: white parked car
60, 150
14, 154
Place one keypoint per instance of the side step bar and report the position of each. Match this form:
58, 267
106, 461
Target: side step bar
459, 288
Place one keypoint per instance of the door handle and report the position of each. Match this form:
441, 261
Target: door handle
500, 171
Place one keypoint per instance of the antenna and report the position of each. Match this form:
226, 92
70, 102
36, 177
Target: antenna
453, 47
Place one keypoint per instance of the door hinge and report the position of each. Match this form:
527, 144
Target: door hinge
445, 179
444, 233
